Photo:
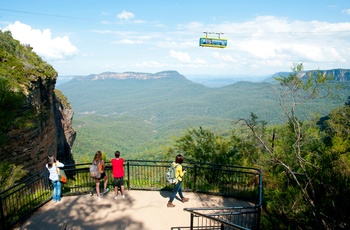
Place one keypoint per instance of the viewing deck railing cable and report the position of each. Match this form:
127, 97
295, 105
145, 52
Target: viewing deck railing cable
19, 201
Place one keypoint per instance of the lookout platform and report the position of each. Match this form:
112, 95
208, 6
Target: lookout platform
140, 210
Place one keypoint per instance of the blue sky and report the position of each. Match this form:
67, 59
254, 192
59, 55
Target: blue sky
82, 37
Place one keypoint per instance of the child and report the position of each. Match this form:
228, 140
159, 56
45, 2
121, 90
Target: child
118, 174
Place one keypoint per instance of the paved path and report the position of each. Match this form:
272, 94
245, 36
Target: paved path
140, 210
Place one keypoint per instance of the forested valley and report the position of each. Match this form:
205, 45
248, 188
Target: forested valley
296, 130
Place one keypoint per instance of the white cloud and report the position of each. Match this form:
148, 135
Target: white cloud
223, 57
126, 15
200, 61
263, 45
46, 46
347, 11
181, 56
128, 42
268, 44
148, 64
279, 41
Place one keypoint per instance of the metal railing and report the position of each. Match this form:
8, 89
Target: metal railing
227, 218
18, 202
243, 181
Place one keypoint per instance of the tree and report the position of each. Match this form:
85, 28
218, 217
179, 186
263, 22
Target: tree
295, 155
10, 174
204, 146
333, 189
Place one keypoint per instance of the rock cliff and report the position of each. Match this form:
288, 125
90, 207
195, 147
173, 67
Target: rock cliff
131, 75
40, 122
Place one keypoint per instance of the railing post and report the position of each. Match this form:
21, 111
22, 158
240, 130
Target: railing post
128, 169
191, 221
195, 178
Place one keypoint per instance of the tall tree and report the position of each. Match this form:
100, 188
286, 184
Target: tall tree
202, 145
293, 154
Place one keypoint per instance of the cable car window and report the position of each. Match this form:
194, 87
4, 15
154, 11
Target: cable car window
213, 42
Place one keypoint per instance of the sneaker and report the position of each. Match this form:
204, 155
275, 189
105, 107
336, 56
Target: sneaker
123, 196
115, 197
170, 205
105, 191
99, 197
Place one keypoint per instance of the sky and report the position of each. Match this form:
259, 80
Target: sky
82, 37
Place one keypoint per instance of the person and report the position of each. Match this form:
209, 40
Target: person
52, 165
179, 173
101, 167
118, 174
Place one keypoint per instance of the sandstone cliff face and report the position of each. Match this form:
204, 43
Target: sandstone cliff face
36, 120
65, 132
53, 134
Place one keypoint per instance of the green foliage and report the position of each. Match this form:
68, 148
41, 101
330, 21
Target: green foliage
140, 117
306, 163
204, 146
10, 102
19, 67
333, 178
63, 99
10, 174
19, 64
301, 163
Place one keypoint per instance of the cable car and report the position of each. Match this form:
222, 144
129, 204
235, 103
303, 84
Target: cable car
206, 41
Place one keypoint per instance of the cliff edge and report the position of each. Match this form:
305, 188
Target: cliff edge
35, 119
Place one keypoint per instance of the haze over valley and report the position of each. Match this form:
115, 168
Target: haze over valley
141, 112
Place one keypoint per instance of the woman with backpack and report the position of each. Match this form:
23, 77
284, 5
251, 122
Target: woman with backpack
179, 173
52, 165
101, 167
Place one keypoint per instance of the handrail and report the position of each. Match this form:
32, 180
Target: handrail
233, 214
24, 198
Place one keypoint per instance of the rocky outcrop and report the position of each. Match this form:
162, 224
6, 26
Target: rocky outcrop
339, 75
65, 132
51, 134
131, 75
40, 122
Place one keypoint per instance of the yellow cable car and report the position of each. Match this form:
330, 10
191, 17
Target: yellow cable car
206, 41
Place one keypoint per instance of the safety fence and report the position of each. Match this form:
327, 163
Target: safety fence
243, 183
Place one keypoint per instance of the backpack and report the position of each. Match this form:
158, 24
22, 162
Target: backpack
171, 174
94, 172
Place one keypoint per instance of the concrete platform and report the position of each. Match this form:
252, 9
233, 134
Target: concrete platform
140, 210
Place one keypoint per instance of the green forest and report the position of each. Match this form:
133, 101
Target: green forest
142, 118
306, 164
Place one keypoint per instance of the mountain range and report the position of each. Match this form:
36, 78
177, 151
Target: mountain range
148, 107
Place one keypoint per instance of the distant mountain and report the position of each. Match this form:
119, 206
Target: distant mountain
132, 75
168, 94
216, 81
341, 75
137, 111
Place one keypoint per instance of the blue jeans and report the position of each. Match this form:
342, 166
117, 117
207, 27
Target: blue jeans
177, 189
57, 186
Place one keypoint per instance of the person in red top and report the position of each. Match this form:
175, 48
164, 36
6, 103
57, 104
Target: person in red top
118, 174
